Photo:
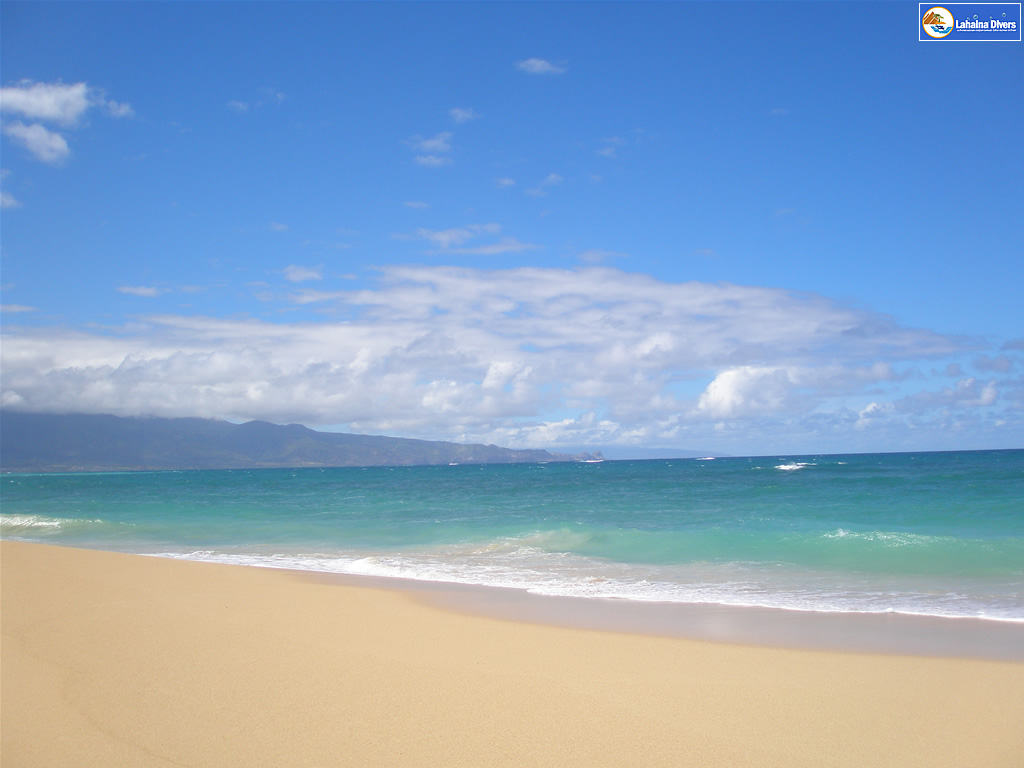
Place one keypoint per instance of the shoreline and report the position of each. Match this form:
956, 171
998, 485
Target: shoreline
117, 659
771, 627
882, 633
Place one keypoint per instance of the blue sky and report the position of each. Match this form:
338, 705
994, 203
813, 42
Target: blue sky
735, 227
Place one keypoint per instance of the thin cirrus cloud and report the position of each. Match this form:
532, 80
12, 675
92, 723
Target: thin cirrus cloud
504, 355
457, 240
433, 150
540, 67
432, 161
267, 96
144, 291
57, 104
463, 115
544, 187
298, 274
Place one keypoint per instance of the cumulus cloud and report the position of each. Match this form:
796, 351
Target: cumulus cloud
748, 391
46, 145
539, 67
527, 356
52, 102
55, 103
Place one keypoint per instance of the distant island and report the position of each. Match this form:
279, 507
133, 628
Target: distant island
41, 442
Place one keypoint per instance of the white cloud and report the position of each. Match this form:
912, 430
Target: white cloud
145, 291
271, 96
238, 106
119, 109
549, 181
7, 200
505, 181
873, 414
505, 245
453, 240
277, 226
417, 205
46, 145
748, 391
64, 105
53, 102
445, 238
966, 393
432, 161
600, 256
539, 67
298, 274
460, 115
441, 143
308, 296
526, 356
16, 308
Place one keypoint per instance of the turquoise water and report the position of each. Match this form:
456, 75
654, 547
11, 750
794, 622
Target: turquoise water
933, 533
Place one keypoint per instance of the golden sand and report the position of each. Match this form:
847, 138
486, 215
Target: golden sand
121, 660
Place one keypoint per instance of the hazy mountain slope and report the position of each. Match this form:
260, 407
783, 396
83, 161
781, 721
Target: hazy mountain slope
79, 442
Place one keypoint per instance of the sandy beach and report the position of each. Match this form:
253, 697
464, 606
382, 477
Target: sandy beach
122, 660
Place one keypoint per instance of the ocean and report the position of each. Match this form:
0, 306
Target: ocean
933, 534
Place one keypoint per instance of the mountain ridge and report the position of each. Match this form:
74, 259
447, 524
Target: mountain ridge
42, 442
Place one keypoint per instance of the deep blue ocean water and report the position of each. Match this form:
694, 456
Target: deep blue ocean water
929, 533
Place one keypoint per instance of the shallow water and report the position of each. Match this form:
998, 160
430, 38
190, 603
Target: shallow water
934, 534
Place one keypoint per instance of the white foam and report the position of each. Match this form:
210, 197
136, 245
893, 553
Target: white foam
534, 570
39, 521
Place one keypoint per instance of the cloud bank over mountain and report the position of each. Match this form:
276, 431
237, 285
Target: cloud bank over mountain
527, 357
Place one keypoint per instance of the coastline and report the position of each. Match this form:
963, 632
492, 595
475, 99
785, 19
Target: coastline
884, 633
122, 659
